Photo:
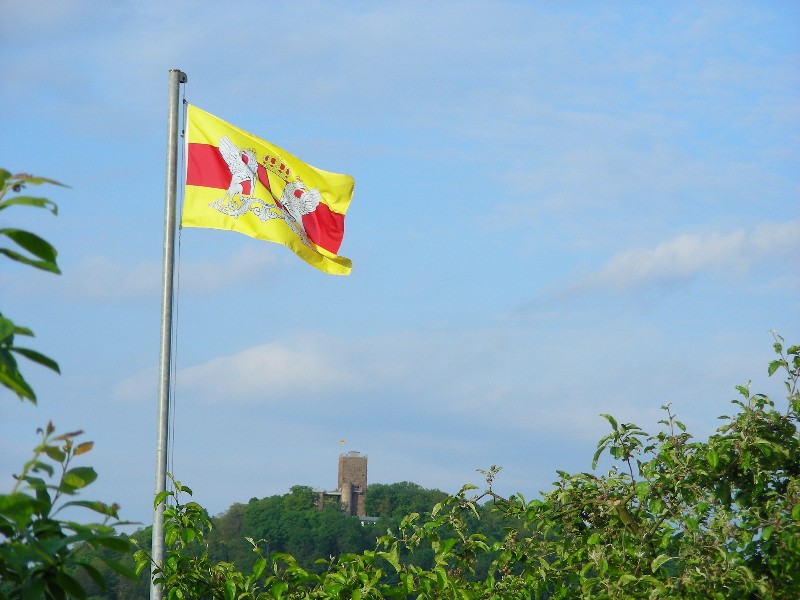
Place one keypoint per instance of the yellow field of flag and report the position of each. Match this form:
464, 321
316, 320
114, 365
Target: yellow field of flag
239, 182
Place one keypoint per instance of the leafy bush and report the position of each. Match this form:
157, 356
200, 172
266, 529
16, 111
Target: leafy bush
675, 517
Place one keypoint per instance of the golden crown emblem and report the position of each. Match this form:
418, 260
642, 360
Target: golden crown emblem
276, 165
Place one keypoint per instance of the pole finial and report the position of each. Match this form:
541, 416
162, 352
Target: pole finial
182, 78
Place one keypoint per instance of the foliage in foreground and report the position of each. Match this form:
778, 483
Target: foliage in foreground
41, 553
29, 249
672, 518
294, 523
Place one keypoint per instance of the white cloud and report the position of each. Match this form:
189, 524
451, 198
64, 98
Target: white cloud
249, 262
94, 279
101, 279
139, 387
686, 256
474, 378
265, 373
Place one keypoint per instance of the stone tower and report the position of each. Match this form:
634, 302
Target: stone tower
353, 483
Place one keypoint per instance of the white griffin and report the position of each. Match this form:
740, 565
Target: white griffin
299, 201
243, 165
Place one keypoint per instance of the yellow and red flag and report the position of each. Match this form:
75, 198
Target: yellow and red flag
239, 182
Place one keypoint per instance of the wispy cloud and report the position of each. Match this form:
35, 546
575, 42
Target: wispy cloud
103, 280
472, 377
686, 256
267, 372
210, 275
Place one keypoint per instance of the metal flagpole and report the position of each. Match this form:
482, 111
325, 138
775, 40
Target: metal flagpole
176, 77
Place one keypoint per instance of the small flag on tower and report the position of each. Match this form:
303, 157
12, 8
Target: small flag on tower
239, 182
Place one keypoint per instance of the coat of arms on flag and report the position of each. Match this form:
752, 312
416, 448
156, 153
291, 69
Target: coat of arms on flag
239, 182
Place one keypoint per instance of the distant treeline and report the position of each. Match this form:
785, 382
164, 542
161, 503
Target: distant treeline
293, 523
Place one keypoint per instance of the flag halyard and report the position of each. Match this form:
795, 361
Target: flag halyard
238, 182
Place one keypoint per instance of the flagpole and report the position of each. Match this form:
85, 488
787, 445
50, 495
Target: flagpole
176, 77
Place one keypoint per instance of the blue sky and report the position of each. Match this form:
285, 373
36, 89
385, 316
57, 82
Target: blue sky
561, 210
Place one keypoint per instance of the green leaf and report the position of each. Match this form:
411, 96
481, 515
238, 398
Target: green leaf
655, 506
170, 536
32, 243
659, 586
96, 576
69, 584
38, 358
175, 593
7, 328
775, 365
8, 363
39, 264
98, 507
122, 568
392, 557
17, 384
766, 533
36, 483
55, 453
258, 567
611, 420
77, 478
38, 465
19, 330
642, 490
18, 508
141, 560
29, 201
229, 590
118, 544
26, 179
596, 456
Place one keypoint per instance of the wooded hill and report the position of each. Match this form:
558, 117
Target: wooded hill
293, 523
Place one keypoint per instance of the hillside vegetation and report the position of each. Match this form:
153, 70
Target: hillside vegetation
292, 523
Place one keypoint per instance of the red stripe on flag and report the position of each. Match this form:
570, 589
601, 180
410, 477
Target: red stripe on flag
325, 228
262, 177
205, 167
